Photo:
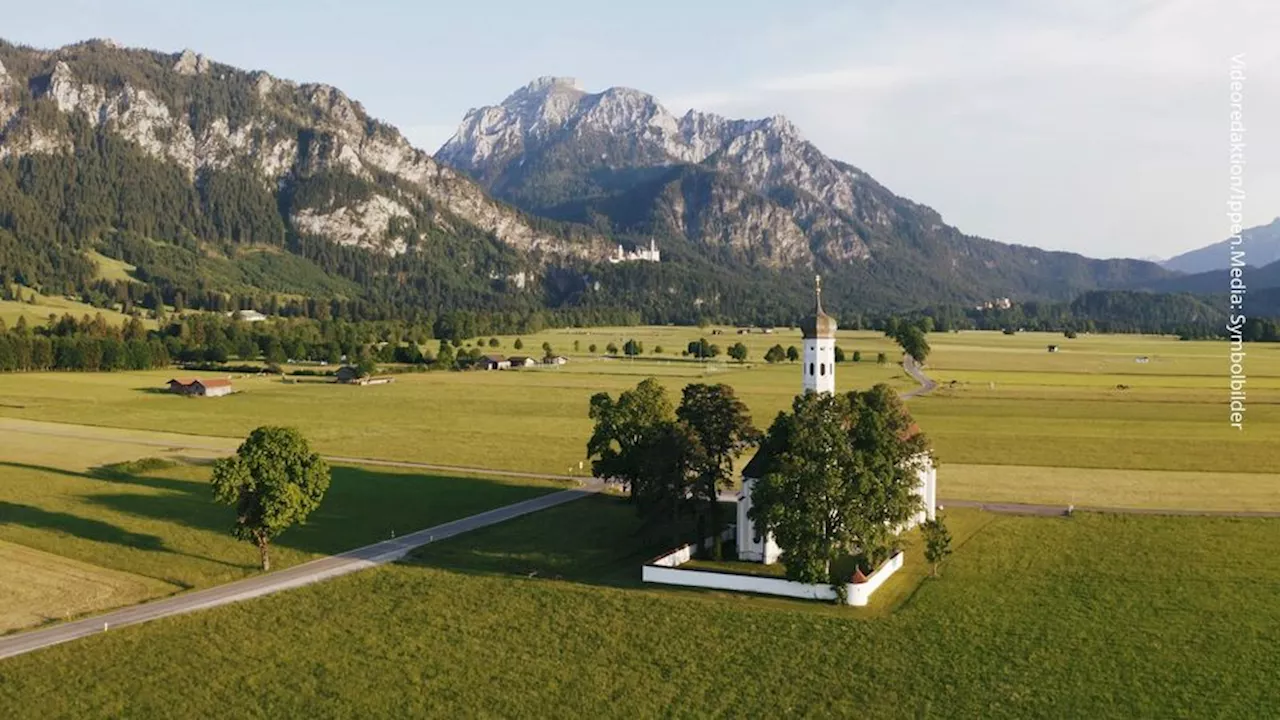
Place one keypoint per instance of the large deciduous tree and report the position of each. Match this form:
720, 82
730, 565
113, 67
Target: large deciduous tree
274, 481
722, 424
841, 479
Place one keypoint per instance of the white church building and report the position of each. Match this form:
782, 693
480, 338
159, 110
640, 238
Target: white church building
819, 375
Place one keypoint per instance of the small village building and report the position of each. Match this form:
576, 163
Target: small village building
1053, 348
351, 375
247, 315
519, 361
555, 360
494, 362
196, 387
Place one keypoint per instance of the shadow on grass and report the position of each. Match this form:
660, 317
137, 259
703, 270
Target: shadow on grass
88, 529
597, 540
362, 506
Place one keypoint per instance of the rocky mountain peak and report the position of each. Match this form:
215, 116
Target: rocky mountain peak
191, 63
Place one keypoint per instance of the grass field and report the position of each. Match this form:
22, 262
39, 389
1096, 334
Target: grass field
37, 313
163, 530
1004, 401
40, 587
1092, 616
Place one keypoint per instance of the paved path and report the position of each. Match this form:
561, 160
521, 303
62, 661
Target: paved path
927, 384
296, 576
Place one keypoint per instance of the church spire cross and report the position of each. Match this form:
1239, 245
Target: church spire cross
817, 290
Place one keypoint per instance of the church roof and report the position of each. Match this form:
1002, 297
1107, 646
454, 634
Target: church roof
760, 463
819, 324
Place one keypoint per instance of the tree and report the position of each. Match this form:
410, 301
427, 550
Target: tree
519, 344
792, 353
622, 427
840, 477
913, 342
881, 359
1069, 334
839, 354
366, 365
775, 355
274, 481
591, 348
493, 342
857, 356
546, 350
445, 356
722, 425
937, 542
738, 352
611, 349
632, 348
657, 349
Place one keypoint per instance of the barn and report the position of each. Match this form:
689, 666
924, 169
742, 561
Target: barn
196, 387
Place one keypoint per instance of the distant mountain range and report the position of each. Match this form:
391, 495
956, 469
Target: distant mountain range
748, 193
1261, 245
231, 187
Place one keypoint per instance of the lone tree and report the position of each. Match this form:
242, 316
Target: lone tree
839, 354
738, 352
775, 355
840, 478
792, 353
857, 356
881, 359
519, 344
274, 481
937, 542
632, 348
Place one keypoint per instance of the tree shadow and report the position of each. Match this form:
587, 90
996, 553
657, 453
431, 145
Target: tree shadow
85, 528
362, 506
597, 540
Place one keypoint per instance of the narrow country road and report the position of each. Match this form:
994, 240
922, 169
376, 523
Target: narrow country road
927, 384
297, 576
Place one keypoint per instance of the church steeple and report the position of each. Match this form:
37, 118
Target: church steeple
819, 332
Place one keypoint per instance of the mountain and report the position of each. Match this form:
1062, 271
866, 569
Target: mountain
1261, 246
211, 178
750, 194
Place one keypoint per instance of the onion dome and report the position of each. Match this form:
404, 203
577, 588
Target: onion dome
820, 324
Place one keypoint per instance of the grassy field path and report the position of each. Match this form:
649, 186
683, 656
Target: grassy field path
305, 574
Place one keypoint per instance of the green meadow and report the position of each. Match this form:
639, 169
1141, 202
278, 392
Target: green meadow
1089, 616
124, 533
1003, 401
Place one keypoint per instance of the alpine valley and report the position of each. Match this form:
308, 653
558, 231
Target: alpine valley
220, 188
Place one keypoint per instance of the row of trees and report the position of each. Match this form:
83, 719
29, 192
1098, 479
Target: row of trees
674, 460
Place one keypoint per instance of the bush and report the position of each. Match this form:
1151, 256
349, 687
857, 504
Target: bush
857, 356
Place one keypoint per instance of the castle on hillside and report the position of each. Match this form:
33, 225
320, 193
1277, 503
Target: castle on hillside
639, 254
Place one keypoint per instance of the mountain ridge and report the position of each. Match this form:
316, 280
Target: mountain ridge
759, 186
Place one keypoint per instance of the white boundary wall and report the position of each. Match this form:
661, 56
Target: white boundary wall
666, 570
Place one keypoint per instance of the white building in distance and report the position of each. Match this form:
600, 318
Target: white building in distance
819, 375
639, 254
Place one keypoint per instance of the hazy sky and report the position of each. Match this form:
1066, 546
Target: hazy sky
1097, 126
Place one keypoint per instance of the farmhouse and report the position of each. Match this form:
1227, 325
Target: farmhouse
818, 371
555, 360
494, 362
518, 361
200, 388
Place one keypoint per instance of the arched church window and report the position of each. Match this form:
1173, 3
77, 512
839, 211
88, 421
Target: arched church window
810, 368
822, 369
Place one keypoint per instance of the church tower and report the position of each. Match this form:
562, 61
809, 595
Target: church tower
819, 347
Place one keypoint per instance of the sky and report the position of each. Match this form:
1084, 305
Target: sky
1093, 126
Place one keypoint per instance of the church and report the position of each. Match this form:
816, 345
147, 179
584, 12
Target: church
818, 373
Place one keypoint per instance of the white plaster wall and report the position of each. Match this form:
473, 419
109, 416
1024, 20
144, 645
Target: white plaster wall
859, 594
820, 355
